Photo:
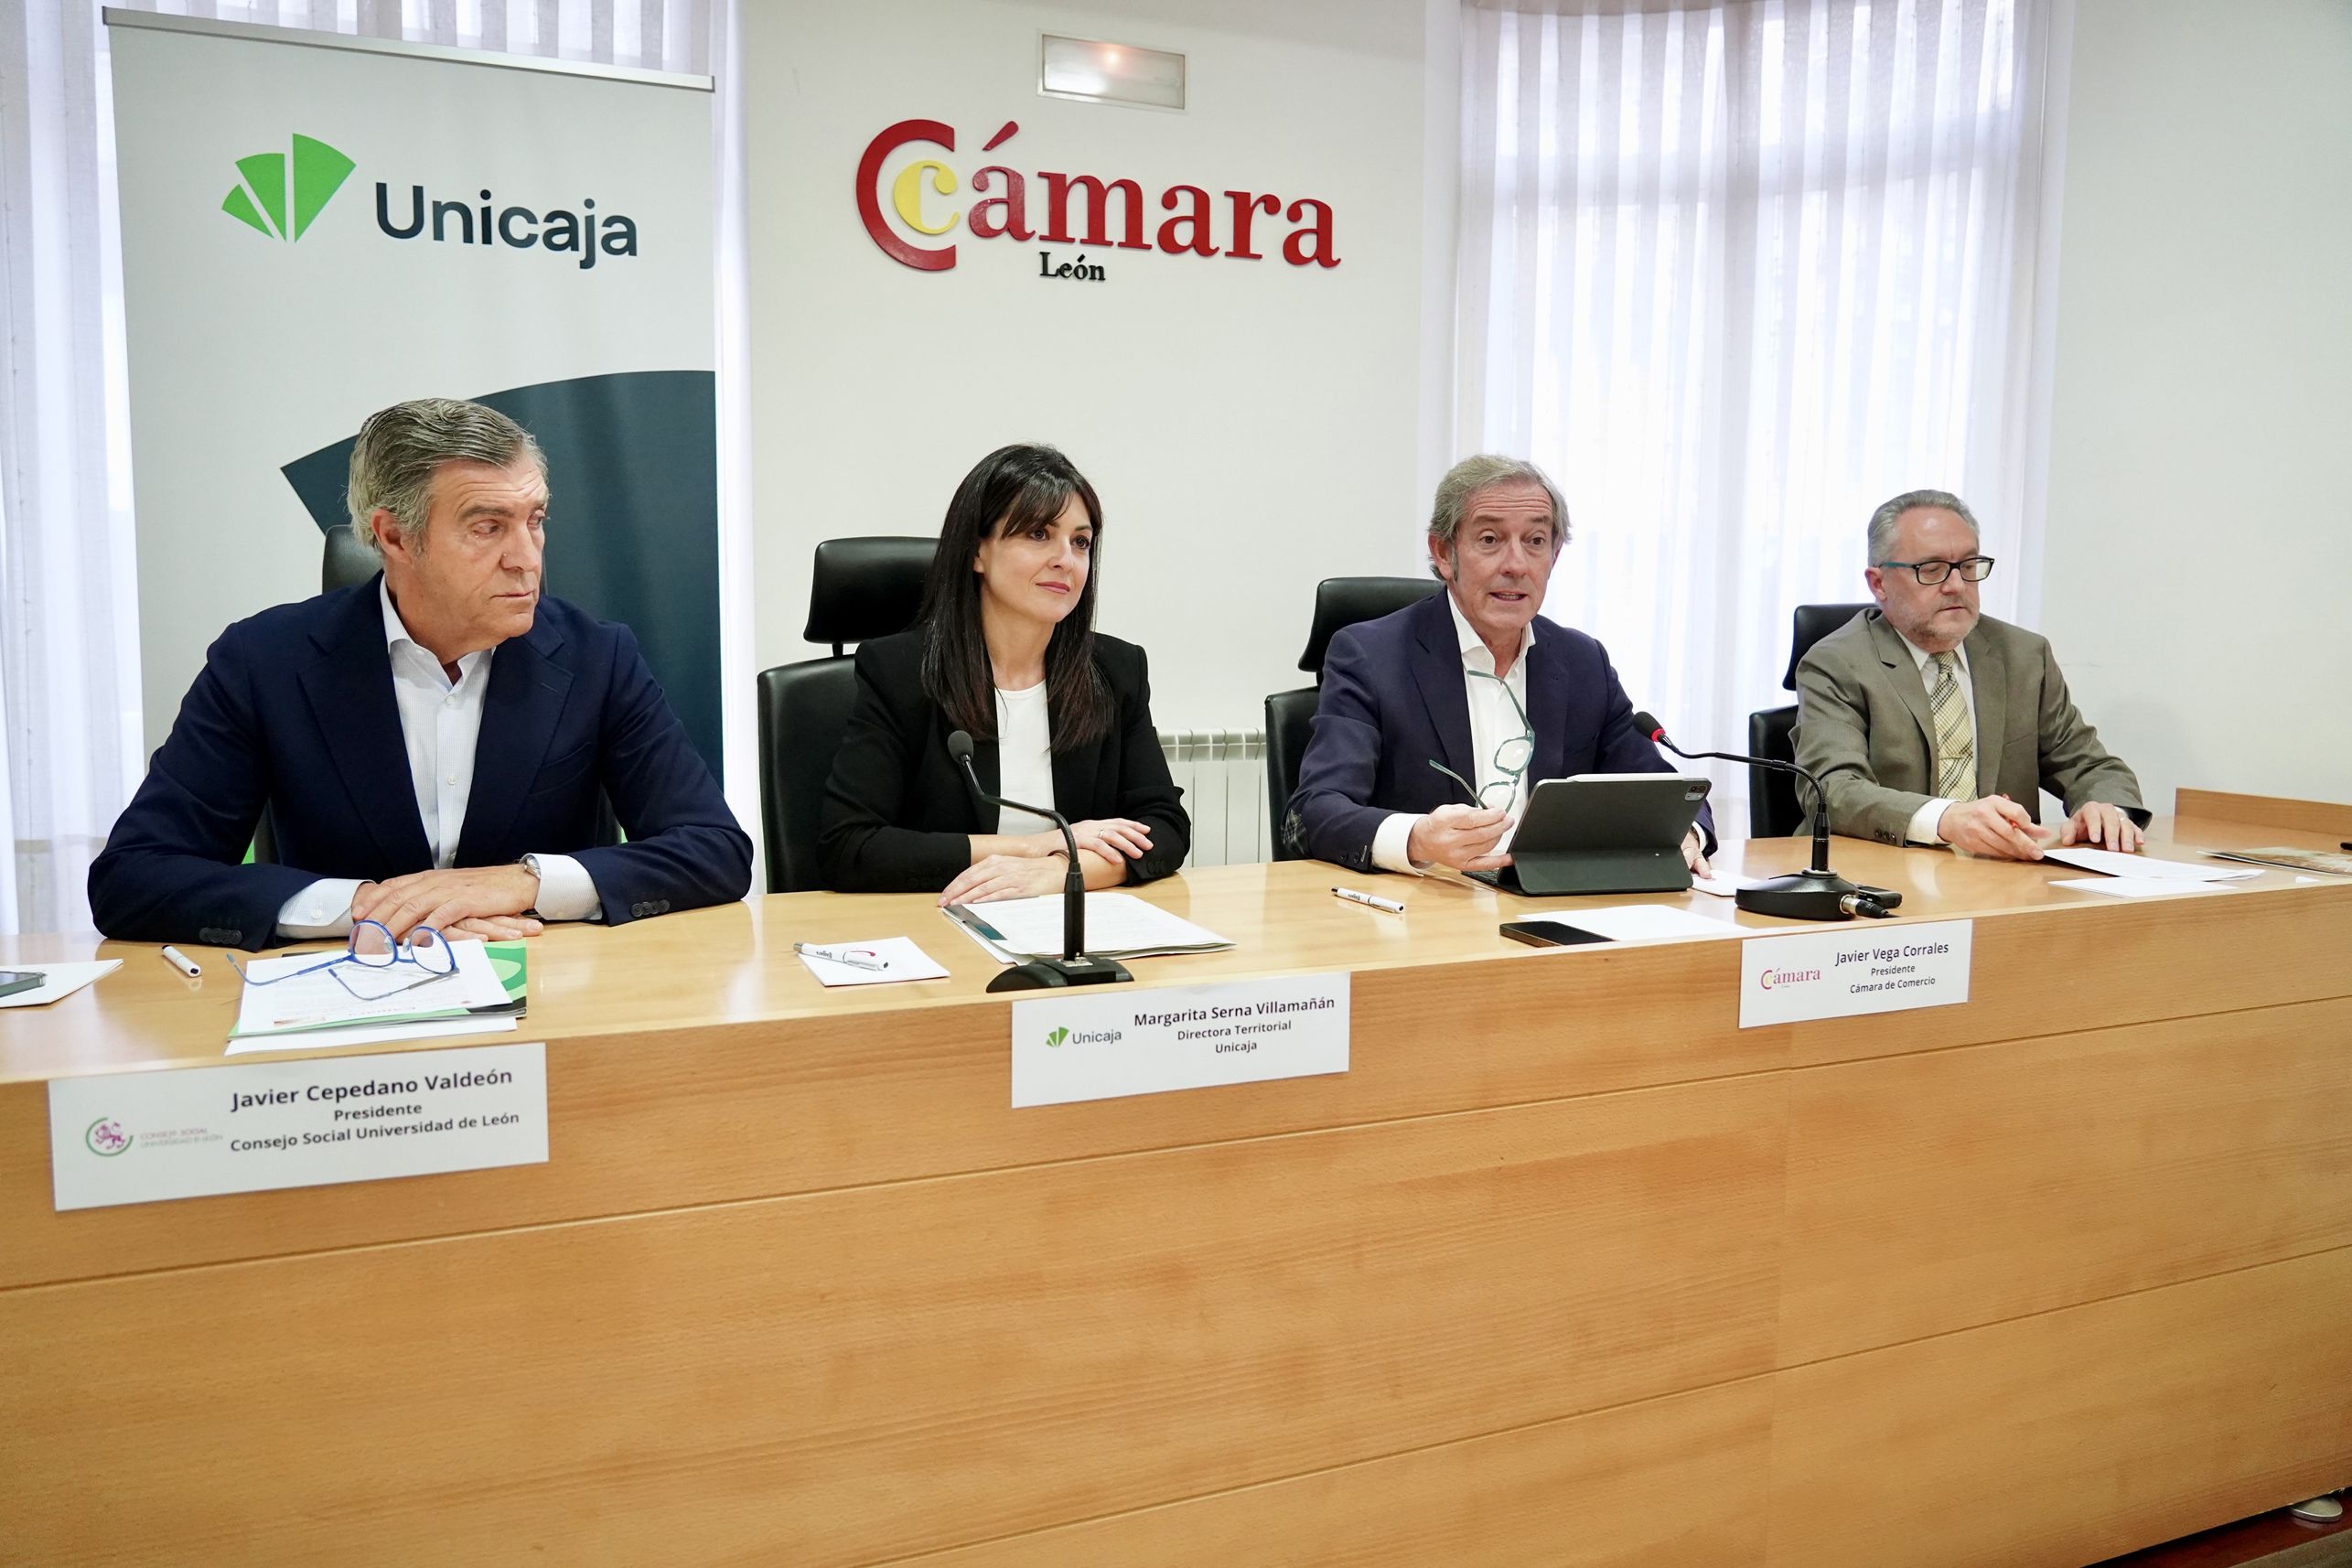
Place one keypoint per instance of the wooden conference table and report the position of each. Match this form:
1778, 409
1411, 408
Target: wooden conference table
1566, 1269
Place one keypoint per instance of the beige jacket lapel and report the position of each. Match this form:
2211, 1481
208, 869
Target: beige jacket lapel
1893, 652
1988, 670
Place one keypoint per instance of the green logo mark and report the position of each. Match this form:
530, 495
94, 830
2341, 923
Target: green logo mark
272, 182
1057, 1036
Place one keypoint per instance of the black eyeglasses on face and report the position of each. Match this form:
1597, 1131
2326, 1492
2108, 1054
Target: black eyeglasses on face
1973, 569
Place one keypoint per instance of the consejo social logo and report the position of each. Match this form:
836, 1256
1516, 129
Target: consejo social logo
280, 194
105, 1136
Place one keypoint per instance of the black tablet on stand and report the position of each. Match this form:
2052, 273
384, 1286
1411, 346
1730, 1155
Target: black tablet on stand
1603, 832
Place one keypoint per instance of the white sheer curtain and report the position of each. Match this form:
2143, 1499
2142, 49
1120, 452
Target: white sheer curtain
70, 703
1734, 275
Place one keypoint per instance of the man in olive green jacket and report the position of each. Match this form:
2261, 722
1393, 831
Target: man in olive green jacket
1930, 723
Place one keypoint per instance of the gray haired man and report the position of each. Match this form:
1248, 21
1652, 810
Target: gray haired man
433, 746
1929, 722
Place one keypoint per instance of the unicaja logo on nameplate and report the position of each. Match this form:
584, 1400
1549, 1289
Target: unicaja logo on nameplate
281, 194
1057, 1036
105, 1136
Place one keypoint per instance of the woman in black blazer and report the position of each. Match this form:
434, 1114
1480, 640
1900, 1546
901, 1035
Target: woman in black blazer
1006, 649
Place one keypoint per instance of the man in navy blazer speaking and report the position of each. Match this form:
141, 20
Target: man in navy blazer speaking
433, 745
1466, 680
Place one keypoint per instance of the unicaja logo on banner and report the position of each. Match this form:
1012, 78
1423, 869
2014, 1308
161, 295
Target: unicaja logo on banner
280, 195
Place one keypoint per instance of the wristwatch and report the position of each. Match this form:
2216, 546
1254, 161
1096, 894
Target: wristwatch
530, 863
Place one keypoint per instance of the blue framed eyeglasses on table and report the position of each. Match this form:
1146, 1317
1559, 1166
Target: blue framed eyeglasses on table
373, 946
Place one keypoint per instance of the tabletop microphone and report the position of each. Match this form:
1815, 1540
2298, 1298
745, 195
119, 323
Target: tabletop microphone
1816, 893
1073, 968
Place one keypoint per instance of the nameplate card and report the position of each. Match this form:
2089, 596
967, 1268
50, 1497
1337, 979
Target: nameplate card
1853, 971
146, 1137
1100, 1043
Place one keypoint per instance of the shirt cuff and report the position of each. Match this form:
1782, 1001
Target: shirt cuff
1927, 823
321, 909
566, 891
1392, 843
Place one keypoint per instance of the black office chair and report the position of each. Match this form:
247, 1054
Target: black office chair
861, 588
346, 563
1775, 805
1339, 602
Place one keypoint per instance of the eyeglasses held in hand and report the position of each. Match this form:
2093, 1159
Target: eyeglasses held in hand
1973, 569
372, 946
1512, 757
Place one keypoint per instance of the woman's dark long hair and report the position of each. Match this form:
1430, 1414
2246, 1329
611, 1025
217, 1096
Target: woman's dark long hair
1010, 490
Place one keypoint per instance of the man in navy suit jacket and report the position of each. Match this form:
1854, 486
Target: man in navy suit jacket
432, 745
1472, 679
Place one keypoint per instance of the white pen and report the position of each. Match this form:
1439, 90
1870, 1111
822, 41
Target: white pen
877, 965
182, 962
1391, 904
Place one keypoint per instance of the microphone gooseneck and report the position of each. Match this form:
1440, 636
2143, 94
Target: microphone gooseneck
1816, 893
1073, 968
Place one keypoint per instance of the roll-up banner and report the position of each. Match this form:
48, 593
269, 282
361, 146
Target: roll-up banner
314, 227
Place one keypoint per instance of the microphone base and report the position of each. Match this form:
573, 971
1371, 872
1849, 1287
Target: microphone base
1053, 974
1806, 896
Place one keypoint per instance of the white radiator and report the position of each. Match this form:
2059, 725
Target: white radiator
1223, 775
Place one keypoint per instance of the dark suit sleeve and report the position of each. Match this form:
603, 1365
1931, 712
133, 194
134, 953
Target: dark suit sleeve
1146, 792
685, 849
1622, 747
867, 795
1330, 817
171, 871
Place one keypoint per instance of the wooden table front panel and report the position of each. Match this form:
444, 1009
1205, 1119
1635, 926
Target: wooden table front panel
1567, 1269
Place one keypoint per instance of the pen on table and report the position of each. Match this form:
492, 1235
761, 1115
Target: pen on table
872, 963
182, 962
1391, 904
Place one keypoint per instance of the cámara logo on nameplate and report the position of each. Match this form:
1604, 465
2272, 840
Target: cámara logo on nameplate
280, 195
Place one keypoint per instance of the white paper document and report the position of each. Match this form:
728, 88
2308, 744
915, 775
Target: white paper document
329, 998
1724, 886
1639, 922
59, 980
368, 1035
2143, 867
900, 957
1118, 925
2140, 887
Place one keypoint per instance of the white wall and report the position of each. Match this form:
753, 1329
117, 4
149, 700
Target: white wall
2197, 559
1252, 425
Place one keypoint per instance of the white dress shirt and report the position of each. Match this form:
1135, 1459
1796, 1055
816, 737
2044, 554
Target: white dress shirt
440, 721
1927, 823
1493, 722
1025, 758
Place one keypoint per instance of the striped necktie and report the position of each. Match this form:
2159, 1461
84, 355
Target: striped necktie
1955, 735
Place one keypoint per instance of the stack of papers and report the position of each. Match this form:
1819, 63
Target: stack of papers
351, 1004
1118, 925
2142, 867
2326, 860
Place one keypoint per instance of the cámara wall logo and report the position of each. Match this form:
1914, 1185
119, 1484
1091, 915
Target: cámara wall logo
1060, 209
281, 194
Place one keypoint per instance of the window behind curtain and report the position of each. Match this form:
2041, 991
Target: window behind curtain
1735, 274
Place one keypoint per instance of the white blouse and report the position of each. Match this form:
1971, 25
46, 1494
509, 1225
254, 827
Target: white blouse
1025, 758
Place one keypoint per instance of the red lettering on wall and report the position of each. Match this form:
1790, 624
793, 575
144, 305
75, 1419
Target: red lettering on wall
1245, 208
869, 210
